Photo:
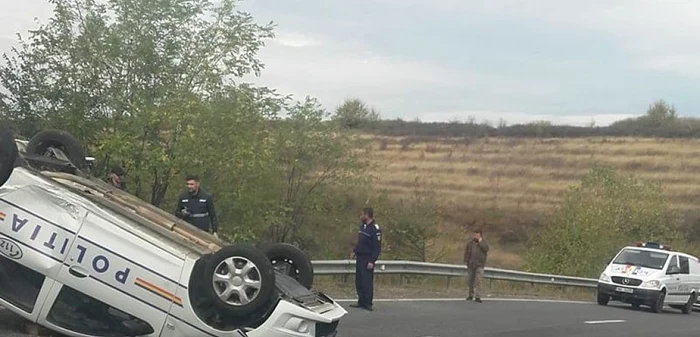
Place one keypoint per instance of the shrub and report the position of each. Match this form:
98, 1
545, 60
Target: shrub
606, 211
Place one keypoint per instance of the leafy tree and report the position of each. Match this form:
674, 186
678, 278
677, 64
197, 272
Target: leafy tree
130, 78
660, 113
411, 226
354, 113
606, 211
313, 156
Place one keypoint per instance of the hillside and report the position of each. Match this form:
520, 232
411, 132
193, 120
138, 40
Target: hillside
506, 185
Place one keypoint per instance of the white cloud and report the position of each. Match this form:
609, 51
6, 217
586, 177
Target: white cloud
333, 63
296, 40
334, 70
661, 35
18, 17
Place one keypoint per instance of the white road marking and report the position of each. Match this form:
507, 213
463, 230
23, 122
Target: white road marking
464, 300
606, 321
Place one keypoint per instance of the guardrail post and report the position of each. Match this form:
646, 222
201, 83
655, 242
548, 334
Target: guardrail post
449, 279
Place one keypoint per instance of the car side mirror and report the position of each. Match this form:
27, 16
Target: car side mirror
673, 270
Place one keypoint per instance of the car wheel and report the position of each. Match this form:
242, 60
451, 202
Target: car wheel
688, 307
43, 141
603, 299
291, 261
240, 280
658, 305
8, 154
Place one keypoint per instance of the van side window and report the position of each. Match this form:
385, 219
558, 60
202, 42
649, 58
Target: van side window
673, 262
685, 267
19, 285
83, 314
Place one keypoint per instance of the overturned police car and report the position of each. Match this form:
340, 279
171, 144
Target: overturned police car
82, 258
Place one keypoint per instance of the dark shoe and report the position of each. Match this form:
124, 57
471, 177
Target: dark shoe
470, 298
368, 308
478, 300
356, 305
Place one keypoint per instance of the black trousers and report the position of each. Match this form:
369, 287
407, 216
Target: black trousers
364, 281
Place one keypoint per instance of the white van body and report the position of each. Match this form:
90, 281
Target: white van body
651, 276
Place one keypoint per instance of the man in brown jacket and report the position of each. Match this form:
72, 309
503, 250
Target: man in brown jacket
475, 258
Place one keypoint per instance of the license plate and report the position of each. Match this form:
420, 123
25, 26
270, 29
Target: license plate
624, 290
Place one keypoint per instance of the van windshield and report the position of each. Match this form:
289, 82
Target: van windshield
642, 258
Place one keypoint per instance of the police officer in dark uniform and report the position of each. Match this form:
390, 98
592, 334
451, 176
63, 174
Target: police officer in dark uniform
366, 253
196, 206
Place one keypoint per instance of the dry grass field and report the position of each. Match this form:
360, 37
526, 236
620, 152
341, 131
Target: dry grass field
505, 185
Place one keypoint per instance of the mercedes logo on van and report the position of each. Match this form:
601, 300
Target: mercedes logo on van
626, 281
10, 249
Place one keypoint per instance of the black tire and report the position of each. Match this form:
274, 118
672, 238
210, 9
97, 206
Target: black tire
603, 299
8, 154
688, 307
291, 261
40, 143
263, 273
658, 305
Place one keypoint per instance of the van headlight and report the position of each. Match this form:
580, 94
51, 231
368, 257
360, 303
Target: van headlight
651, 284
604, 277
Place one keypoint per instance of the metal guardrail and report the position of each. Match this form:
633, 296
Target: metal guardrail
345, 267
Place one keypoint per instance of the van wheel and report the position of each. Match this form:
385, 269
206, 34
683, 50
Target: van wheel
241, 281
291, 261
603, 299
688, 307
42, 143
658, 305
8, 154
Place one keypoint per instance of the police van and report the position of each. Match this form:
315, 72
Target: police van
82, 258
653, 275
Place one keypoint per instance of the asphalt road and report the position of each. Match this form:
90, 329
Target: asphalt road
494, 318
500, 318
10, 324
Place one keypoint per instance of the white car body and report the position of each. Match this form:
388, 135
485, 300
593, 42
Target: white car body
64, 240
648, 275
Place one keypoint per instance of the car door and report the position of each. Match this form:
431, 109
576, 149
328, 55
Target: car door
114, 283
684, 280
37, 229
672, 280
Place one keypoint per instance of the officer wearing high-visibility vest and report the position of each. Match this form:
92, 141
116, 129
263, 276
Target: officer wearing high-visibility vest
196, 206
366, 253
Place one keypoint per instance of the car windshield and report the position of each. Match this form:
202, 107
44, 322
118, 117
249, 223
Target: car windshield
642, 258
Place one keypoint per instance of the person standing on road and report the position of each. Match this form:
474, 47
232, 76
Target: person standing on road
196, 206
475, 257
366, 253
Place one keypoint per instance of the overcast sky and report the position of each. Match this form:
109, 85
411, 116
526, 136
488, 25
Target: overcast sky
561, 60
